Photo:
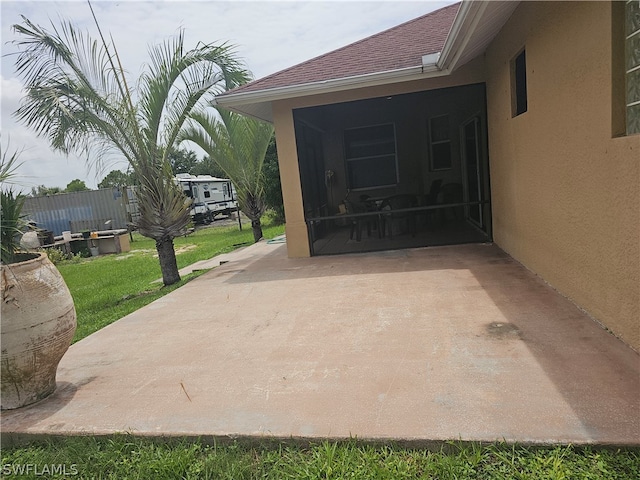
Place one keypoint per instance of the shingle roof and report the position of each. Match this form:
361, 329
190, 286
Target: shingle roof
398, 47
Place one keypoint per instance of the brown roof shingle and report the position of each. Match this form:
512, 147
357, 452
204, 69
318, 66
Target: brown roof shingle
398, 47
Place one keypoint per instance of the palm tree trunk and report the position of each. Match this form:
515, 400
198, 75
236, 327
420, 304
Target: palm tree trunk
256, 226
168, 263
253, 209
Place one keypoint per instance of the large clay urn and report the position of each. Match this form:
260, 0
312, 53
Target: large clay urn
38, 323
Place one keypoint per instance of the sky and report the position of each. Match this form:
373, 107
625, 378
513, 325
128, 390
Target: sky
268, 36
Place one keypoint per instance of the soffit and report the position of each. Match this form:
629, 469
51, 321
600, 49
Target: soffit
481, 28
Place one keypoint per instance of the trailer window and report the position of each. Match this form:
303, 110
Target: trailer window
207, 194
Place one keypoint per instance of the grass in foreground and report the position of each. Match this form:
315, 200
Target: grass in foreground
107, 288
125, 457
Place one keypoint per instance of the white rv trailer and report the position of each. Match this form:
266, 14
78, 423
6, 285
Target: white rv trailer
211, 196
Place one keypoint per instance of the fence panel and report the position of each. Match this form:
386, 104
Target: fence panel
103, 209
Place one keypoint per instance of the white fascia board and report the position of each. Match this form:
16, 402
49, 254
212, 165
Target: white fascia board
463, 27
327, 86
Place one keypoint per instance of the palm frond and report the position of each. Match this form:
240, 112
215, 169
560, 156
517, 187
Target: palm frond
74, 96
8, 164
11, 223
177, 82
164, 210
238, 144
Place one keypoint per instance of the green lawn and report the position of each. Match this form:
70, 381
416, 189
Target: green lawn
125, 457
109, 287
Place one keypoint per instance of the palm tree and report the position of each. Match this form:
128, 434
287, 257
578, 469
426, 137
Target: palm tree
80, 98
11, 203
238, 144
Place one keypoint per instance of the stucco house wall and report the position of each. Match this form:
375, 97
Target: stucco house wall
565, 184
565, 189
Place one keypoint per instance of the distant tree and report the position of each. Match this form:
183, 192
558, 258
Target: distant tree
272, 185
207, 166
183, 161
76, 185
41, 191
117, 179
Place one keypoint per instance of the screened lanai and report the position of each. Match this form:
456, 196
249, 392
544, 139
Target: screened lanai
395, 172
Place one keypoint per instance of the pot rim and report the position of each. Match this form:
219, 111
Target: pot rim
38, 256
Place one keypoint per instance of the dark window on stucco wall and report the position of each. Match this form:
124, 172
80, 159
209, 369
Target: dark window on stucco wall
519, 84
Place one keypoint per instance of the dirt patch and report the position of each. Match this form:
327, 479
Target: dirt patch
180, 250
226, 222
183, 249
503, 330
137, 251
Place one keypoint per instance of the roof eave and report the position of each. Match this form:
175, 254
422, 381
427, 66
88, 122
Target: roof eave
464, 24
474, 27
258, 103
237, 101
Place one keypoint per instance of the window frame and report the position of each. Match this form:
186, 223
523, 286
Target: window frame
631, 97
439, 142
351, 161
519, 94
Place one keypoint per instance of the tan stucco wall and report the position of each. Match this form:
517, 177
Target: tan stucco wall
296, 230
295, 227
565, 194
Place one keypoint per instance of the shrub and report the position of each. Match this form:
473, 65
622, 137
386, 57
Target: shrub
57, 256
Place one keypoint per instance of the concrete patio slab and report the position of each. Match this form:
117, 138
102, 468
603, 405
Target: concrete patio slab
424, 345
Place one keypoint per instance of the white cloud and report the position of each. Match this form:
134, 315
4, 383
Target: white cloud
10, 94
269, 36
